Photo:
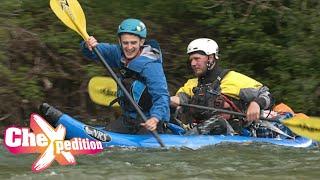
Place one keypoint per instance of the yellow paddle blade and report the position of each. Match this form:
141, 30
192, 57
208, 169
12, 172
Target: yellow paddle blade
307, 127
103, 90
71, 14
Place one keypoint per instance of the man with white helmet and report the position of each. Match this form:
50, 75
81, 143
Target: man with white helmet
221, 89
139, 66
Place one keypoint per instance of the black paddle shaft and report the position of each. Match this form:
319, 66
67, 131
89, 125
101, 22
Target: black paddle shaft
126, 93
222, 111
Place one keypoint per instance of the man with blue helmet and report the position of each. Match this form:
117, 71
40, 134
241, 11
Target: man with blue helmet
139, 66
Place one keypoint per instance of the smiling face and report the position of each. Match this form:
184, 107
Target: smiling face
199, 63
130, 45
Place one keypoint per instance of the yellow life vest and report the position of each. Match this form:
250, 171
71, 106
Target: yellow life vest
230, 85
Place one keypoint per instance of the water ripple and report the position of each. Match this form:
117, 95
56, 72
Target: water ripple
225, 161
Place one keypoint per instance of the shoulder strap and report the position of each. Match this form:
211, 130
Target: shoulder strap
128, 73
216, 84
223, 74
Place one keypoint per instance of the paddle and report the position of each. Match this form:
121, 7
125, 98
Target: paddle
308, 127
71, 14
304, 126
102, 90
221, 111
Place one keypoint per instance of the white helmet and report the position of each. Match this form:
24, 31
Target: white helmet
208, 46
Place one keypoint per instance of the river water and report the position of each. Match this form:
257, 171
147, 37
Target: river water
224, 161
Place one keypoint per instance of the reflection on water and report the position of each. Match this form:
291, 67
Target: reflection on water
225, 161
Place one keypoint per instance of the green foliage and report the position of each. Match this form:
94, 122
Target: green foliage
275, 42
29, 89
94, 70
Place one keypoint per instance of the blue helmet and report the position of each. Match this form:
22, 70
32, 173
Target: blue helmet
133, 26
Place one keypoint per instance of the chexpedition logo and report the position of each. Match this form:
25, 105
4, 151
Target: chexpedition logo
49, 142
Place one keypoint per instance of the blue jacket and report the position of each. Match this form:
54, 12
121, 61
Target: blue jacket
149, 67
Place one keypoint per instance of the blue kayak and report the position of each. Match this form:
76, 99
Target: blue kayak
76, 128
